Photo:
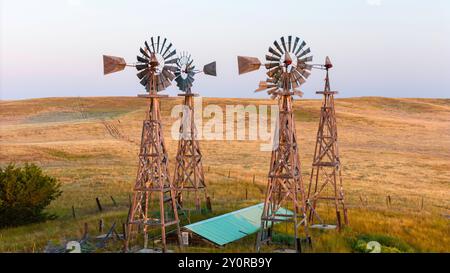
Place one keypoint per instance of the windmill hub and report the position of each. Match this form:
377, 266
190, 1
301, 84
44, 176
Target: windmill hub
157, 63
288, 61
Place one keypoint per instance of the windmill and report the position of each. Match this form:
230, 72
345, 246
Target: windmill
154, 204
189, 176
287, 69
326, 167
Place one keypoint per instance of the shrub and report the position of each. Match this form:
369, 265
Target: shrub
388, 244
24, 194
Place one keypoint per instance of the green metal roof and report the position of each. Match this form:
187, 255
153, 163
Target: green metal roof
231, 226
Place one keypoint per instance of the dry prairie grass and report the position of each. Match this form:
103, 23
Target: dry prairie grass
396, 147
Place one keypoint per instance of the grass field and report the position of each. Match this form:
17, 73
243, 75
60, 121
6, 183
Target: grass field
395, 147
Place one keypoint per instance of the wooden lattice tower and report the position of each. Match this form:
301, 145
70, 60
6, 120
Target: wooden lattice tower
288, 69
153, 181
326, 179
285, 185
153, 206
188, 175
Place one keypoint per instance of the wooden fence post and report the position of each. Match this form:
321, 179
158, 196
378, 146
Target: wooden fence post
99, 206
114, 201
86, 230
124, 231
101, 225
253, 179
73, 213
208, 204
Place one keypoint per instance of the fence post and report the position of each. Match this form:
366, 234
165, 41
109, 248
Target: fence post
98, 204
114, 201
101, 225
124, 231
208, 204
86, 230
73, 212
253, 179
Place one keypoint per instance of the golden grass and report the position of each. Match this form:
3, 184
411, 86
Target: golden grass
396, 147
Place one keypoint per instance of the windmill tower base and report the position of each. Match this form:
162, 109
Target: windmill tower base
189, 176
153, 207
285, 185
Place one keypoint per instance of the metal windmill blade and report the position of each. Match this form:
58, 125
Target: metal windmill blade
283, 43
113, 64
265, 85
162, 46
272, 58
302, 45
274, 52
153, 45
142, 73
142, 60
308, 50
271, 73
271, 65
144, 80
278, 47
144, 52
305, 60
295, 44
157, 44
289, 43
170, 68
170, 54
173, 61
147, 47
167, 49
168, 74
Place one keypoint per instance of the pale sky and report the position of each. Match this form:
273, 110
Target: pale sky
393, 48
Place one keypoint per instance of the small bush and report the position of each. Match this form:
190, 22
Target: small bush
388, 244
24, 194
